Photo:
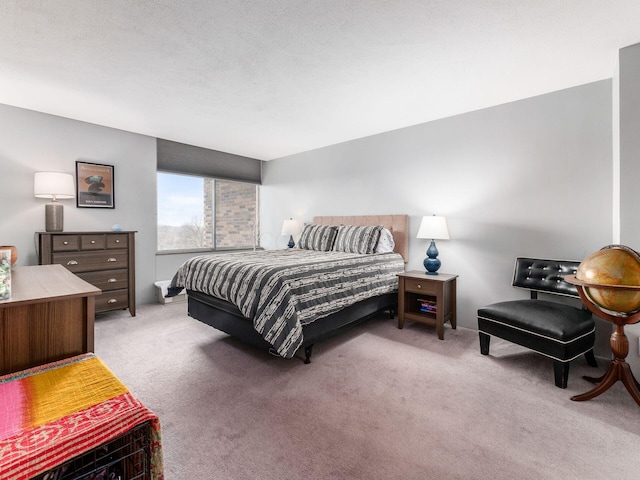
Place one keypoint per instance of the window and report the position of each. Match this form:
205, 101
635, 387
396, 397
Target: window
196, 213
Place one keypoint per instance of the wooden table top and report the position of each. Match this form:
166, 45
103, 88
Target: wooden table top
39, 283
421, 274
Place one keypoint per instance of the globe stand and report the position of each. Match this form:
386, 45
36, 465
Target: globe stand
619, 369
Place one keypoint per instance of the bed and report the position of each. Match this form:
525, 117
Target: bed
285, 301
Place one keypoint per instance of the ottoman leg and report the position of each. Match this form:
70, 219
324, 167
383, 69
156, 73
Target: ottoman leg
591, 359
484, 343
561, 373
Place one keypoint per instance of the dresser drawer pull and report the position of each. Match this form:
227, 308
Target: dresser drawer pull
72, 262
65, 243
93, 241
117, 241
112, 280
112, 300
111, 259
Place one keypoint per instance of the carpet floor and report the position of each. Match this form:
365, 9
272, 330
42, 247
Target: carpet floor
376, 402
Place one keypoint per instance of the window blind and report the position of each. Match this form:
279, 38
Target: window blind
177, 157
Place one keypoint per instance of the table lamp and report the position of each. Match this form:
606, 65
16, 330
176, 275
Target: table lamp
290, 227
53, 185
435, 228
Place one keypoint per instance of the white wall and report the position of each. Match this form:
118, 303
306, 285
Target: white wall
530, 178
32, 141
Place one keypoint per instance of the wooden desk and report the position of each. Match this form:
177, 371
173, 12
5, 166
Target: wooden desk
50, 316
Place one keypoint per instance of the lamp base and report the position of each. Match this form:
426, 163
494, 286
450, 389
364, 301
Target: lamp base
291, 243
431, 263
53, 217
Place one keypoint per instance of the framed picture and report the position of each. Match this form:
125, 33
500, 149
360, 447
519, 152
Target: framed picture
94, 185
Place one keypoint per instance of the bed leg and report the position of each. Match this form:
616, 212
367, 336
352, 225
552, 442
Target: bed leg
307, 354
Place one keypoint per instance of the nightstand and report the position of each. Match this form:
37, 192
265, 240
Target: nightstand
429, 299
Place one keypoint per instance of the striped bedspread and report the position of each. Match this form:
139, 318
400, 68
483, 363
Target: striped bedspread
282, 290
59, 410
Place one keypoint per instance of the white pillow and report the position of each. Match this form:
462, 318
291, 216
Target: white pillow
385, 242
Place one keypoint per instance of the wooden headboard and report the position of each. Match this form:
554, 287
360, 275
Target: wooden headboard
398, 224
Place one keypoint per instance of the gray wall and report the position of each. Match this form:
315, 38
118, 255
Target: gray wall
628, 85
31, 142
531, 178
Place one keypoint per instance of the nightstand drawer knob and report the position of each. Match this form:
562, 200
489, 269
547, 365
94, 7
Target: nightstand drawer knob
72, 262
65, 243
419, 286
112, 280
112, 300
93, 241
111, 259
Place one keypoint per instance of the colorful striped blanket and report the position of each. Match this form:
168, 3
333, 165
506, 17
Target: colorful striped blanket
282, 290
54, 412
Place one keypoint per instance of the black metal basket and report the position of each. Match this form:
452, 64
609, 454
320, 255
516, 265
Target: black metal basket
126, 457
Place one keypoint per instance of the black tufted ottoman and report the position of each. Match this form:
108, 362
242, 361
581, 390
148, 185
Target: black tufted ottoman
559, 331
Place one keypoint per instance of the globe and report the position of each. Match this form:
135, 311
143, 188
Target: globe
605, 273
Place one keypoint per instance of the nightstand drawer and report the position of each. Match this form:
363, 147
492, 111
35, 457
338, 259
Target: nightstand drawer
88, 261
107, 279
419, 286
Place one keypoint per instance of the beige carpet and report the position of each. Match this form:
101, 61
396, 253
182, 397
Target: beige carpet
375, 403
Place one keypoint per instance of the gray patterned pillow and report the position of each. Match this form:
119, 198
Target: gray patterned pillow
357, 239
317, 237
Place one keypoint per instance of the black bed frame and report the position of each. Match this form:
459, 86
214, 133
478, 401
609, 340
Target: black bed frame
227, 318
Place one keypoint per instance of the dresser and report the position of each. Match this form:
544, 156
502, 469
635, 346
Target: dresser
50, 316
104, 259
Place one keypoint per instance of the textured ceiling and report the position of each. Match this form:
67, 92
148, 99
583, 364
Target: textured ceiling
272, 78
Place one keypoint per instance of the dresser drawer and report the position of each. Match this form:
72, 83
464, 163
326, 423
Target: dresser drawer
65, 243
92, 242
107, 279
419, 286
88, 261
117, 240
113, 300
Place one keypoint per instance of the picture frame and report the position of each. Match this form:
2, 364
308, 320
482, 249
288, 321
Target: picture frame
95, 186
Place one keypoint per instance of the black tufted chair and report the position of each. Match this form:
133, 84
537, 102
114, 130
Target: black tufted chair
557, 330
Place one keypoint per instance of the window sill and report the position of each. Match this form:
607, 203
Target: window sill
204, 251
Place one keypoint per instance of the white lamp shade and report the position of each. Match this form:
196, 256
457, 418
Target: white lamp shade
290, 227
434, 227
53, 185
